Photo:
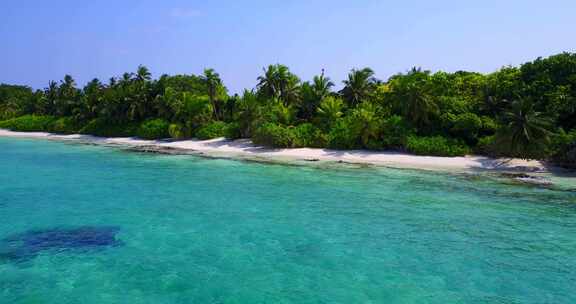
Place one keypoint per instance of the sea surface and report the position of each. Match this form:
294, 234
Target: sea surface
92, 224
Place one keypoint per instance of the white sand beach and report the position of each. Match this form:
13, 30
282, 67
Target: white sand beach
244, 149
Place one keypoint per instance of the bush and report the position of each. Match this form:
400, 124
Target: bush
28, 123
233, 131
212, 130
489, 126
307, 135
467, 126
101, 127
273, 135
64, 125
342, 136
395, 132
564, 149
179, 131
436, 145
154, 129
485, 146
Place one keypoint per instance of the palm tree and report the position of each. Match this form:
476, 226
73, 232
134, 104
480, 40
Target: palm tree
359, 86
321, 86
213, 82
143, 74
330, 110
50, 98
267, 82
411, 96
279, 82
290, 89
367, 122
67, 96
525, 132
249, 112
418, 105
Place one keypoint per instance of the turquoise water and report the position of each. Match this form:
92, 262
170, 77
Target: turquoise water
194, 230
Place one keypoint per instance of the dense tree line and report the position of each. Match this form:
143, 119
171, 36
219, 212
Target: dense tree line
527, 111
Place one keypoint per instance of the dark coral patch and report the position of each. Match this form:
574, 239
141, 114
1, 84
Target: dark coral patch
27, 245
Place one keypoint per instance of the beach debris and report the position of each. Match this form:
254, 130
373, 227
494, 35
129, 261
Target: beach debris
26, 246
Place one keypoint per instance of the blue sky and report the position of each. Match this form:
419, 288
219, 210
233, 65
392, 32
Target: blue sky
43, 40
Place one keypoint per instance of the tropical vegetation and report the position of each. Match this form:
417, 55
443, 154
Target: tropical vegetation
527, 111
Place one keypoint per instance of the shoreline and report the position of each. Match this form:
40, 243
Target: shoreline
244, 149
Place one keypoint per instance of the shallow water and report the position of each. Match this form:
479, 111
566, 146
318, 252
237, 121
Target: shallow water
194, 230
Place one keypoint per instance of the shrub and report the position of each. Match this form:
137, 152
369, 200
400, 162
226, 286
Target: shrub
273, 135
395, 132
153, 129
101, 127
212, 130
233, 131
467, 126
342, 136
179, 131
489, 126
564, 149
485, 146
64, 125
307, 135
28, 123
436, 145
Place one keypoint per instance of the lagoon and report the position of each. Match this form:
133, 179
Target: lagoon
194, 230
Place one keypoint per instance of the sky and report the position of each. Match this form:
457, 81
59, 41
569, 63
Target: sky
44, 40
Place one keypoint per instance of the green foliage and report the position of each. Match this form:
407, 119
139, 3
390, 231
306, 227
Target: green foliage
525, 132
342, 135
154, 129
436, 145
233, 131
513, 112
65, 125
411, 93
564, 148
489, 126
359, 86
101, 127
279, 83
15, 101
179, 131
212, 130
486, 145
273, 135
28, 123
307, 135
467, 127
395, 132
278, 136
280, 113
330, 110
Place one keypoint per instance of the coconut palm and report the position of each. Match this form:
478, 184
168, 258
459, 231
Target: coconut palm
290, 89
279, 82
525, 132
213, 82
267, 82
321, 86
359, 86
367, 122
418, 105
143, 74
330, 109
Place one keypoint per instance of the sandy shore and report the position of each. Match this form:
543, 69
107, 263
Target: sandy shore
246, 150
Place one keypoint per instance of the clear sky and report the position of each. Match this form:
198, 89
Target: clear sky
43, 40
